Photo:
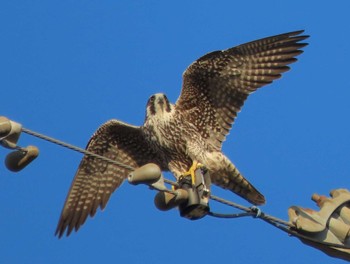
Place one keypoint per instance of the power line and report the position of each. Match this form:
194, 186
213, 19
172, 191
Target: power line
75, 148
120, 164
248, 211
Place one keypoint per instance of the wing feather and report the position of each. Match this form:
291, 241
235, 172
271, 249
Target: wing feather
216, 85
96, 179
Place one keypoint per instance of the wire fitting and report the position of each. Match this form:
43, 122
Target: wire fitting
256, 210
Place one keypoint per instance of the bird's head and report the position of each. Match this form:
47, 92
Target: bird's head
158, 104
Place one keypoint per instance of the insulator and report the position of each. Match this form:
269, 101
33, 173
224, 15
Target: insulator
11, 131
345, 214
343, 211
165, 201
17, 160
5, 127
147, 174
339, 229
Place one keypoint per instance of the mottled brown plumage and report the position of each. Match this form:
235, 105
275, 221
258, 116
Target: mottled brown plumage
173, 136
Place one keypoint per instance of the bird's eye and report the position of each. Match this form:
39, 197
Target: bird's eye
152, 98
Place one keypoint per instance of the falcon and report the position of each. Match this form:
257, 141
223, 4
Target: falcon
182, 136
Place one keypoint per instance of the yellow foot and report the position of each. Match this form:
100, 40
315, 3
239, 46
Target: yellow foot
195, 165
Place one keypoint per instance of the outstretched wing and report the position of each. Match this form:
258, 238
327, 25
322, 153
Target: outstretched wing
96, 179
217, 84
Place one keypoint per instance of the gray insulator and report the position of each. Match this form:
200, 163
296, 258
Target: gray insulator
165, 201
9, 133
147, 174
5, 127
17, 160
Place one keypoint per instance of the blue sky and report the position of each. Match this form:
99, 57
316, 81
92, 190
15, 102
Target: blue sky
69, 66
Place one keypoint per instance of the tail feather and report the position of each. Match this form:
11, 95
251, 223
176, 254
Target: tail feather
231, 179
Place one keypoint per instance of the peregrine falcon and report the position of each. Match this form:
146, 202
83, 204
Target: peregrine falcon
179, 136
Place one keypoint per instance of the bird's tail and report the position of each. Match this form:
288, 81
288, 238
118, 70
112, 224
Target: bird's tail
228, 177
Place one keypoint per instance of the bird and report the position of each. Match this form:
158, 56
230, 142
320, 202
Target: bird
182, 136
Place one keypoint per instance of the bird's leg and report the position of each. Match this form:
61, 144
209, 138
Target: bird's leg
195, 165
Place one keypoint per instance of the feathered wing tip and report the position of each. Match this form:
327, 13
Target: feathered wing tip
96, 179
216, 85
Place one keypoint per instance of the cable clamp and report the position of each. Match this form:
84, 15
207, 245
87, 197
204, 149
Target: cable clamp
256, 210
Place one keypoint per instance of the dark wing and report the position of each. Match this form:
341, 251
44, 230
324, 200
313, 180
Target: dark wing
217, 84
96, 179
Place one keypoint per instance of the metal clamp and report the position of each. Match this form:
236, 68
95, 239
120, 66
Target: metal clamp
191, 199
197, 204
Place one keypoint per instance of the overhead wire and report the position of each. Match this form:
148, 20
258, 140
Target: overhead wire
75, 148
89, 153
248, 211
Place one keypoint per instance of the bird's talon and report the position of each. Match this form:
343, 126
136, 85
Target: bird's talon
191, 172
